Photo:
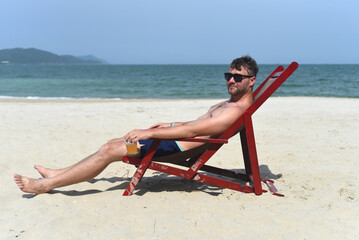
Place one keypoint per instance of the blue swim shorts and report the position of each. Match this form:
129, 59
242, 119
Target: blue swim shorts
165, 148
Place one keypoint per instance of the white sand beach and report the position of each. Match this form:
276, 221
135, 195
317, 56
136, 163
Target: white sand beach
309, 146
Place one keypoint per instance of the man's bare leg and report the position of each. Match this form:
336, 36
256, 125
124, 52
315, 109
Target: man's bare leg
48, 172
84, 170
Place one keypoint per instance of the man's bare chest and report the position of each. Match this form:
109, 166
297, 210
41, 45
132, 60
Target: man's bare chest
217, 110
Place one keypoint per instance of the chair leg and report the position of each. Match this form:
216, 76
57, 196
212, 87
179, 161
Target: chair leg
252, 153
141, 168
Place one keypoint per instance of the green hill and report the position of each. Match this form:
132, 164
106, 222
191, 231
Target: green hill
36, 56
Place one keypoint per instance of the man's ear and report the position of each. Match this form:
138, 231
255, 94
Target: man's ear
252, 81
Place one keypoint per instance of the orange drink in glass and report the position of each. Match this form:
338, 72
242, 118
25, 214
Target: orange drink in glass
131, 147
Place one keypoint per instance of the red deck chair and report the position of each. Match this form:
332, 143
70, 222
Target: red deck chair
195, 159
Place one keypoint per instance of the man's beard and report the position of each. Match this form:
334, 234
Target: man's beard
235, 91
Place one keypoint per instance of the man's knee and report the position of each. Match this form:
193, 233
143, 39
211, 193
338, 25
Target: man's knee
110, 151
106, 149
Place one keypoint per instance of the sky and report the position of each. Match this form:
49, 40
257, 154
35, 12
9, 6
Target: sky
186, 31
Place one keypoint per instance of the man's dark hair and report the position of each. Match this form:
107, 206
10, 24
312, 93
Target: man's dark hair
247, 63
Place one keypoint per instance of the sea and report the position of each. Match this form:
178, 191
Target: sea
164, 81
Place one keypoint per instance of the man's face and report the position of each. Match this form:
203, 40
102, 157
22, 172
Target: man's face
240, 88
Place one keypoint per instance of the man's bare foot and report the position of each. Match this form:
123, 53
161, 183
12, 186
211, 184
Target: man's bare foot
47, 172
30, 185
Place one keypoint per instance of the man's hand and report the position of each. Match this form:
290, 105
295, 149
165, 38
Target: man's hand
138, 134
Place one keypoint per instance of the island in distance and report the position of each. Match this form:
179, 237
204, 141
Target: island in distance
36, 56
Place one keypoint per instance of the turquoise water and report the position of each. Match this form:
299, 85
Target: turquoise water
164, 81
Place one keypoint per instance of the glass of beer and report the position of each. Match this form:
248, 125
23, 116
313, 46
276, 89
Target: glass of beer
131, 147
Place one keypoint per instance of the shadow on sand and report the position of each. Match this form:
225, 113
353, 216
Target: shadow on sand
160, 182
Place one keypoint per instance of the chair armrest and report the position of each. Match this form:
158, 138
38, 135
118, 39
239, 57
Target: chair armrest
204, 140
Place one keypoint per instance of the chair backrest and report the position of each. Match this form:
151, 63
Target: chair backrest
266, 83
270, 85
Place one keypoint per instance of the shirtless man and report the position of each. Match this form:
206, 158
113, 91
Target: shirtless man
240, 80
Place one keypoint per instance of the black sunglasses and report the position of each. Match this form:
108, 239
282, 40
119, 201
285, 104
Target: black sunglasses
237, 77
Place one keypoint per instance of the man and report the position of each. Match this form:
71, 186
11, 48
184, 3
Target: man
240, 80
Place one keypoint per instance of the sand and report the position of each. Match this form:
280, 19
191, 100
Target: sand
309, 145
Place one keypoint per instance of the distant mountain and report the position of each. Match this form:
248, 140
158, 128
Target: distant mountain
36, 56
90, 57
